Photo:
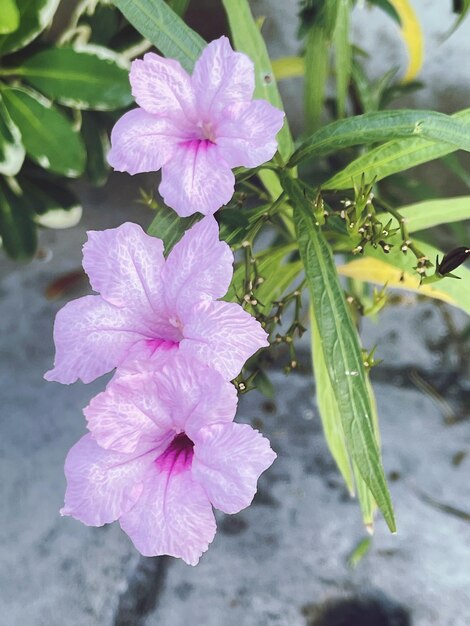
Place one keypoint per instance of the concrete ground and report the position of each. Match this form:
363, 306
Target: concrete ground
283, 561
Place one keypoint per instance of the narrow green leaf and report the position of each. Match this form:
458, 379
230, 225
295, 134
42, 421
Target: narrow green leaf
382, 126
83, 77
341, 349
392, 157
12, 152
179, 6
389, 9
169, 227
359, 552
248, 39
264, 385
366, 499
343, 56
34, 17
158, 23
9, 17
47, 135
316, 74
17, 229
318, 21
328, 408
333, 428
453, 164
431, 213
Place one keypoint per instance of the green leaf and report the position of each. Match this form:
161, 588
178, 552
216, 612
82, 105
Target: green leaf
453, 164
9, 17
248, 39
83, 77
386, 6
17, 229
316, 74
156, 21
328, 408
431, 213
341, 349
366, 499
35, 15
179, 6
394, 156
47, 135
382, 126
55, 206
97, 146
359, 552
12, 152
169, 227
333, 428
319, 23
343, 55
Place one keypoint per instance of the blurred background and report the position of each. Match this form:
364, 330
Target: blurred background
300, 555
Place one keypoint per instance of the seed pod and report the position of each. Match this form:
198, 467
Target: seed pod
453, 259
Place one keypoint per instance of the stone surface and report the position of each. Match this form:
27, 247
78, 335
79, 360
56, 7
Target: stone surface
272, 564
290, 549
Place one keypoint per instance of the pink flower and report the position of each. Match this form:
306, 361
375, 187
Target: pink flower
162, 450
148, 304
195, 128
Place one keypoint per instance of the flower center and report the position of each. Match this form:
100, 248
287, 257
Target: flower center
206, 131
178, 456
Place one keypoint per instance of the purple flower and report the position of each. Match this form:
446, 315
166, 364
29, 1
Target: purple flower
148, 305
162, 450
195, 128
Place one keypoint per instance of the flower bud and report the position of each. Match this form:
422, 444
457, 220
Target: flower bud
453, 259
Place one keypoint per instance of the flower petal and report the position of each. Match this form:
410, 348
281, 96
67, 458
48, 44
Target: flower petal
91, 338
222, 335
162, 87
124, 265
247, 133
142, 142
172, 516
199, 266
128, 417
228, 460
102, 485
193, 394
196, 178
221, 77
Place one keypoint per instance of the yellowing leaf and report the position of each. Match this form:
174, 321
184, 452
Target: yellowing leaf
288, 67
412, 35
373, 270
